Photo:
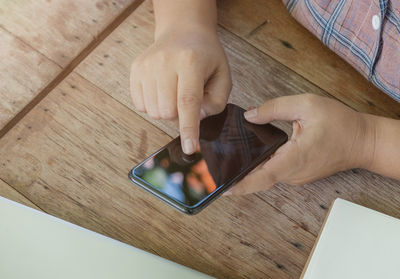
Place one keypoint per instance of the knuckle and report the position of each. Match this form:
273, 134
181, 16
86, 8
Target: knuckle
188, 99
138, 104
188, 129
153, 114
162, 56
274, 109
168, 113
140, 108
146, 64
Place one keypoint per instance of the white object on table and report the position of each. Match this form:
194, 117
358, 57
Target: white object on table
356, 242
36, 245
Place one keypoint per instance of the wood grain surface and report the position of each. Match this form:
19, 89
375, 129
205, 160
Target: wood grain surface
307, 205
23, 73
268, 26
69, 153
41, 39
6, 191
77, 147
59, 29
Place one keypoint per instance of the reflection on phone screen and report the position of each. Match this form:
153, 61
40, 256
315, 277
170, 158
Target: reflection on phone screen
228, 145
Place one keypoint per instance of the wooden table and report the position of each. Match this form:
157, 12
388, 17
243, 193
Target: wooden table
69, 132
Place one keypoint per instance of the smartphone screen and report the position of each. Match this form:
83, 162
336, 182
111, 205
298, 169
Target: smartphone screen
228, 146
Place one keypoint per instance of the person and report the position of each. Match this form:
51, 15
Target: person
184, 74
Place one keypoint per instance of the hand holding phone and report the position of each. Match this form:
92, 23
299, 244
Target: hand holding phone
229, 148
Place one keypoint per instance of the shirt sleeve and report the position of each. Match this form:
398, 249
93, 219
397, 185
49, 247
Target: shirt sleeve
363, 32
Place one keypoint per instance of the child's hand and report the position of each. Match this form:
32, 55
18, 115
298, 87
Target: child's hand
327, 137
184, 73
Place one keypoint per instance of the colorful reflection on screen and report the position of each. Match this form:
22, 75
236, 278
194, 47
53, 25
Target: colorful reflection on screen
228, 145
186, 181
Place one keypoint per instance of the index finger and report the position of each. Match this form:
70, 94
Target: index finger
190, 96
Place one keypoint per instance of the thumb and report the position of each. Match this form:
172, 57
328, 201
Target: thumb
216, 92
273, 171
282, 108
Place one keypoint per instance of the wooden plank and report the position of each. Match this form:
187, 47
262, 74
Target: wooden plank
71, 156
41, 38
23, 73
268, 26
59, 29
256, 77
10, 193
308, 204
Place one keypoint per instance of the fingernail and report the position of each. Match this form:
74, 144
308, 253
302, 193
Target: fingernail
189, 146
250, 114
202, 114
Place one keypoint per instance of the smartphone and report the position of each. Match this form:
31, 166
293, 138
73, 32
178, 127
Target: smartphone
229, 148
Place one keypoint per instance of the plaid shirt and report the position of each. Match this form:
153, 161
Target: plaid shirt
366, 33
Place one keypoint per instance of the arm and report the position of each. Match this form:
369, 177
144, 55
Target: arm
184, 73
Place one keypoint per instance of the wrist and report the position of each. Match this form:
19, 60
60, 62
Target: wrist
183, 14
184, 30
367, 146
